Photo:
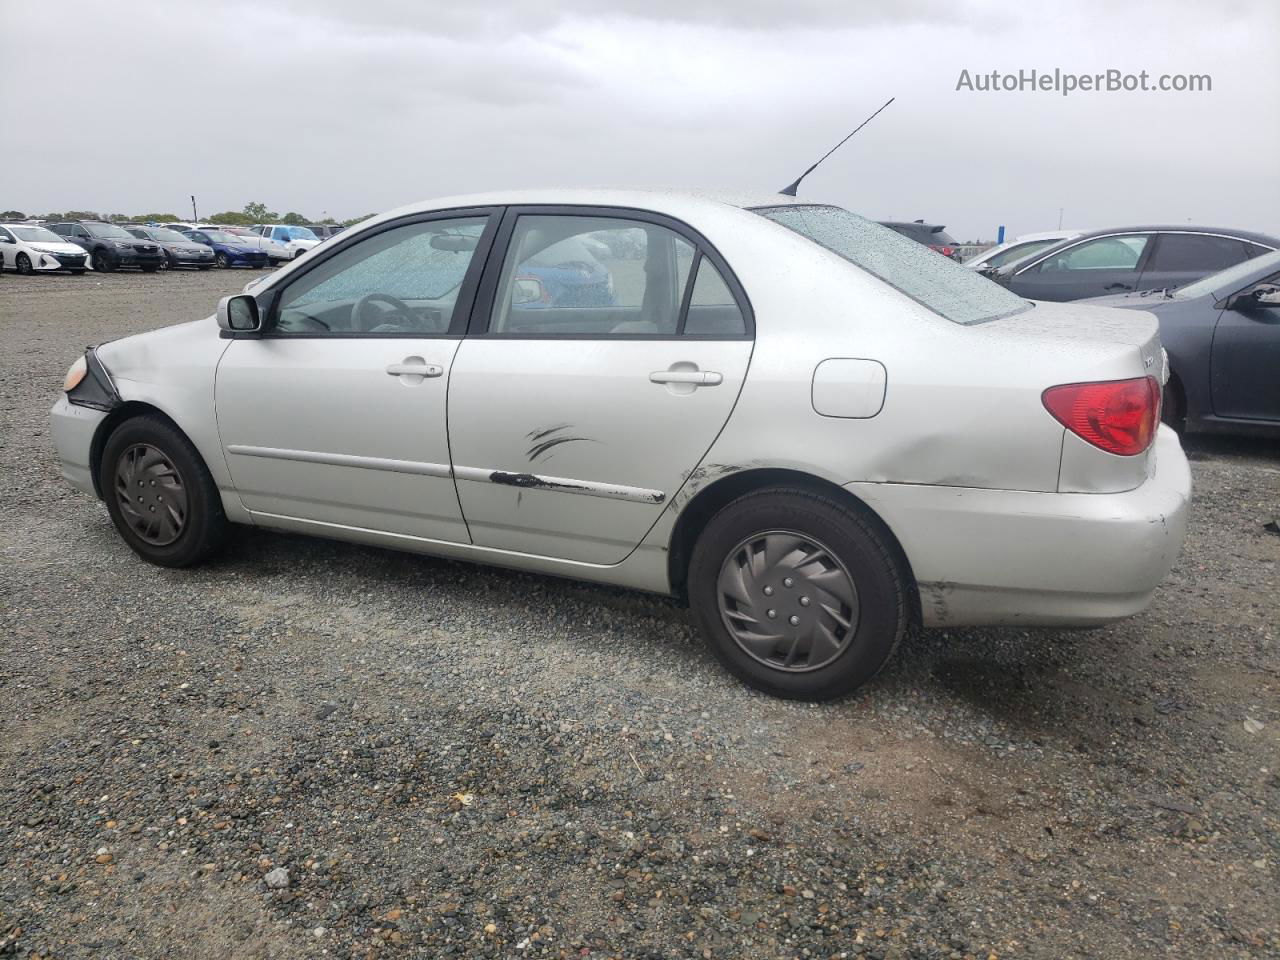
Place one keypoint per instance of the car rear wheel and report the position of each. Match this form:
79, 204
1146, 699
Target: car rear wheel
102, 263
23, 265
797, 594
159, 493
222, 261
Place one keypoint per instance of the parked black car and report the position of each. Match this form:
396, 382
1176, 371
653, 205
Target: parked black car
1130, 259
932, 235
179, 251
1222, 336
111, 247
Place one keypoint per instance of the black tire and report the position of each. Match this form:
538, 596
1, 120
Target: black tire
222, 261
203, 525
102, 263
22, 263
852, 546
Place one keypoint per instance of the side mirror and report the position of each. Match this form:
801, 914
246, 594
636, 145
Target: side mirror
239, 315
526, 290
1266, 295
1260, 295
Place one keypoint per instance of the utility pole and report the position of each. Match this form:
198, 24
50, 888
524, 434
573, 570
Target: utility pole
1060, 218
196, 219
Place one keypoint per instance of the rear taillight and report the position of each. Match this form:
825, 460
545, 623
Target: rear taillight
1118, 416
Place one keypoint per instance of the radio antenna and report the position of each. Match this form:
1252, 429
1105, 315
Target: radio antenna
790, 190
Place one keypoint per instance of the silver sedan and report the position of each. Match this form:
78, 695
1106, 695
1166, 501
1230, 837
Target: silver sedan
814, 430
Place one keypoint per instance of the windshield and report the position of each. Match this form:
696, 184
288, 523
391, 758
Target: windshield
302, 233
218, 236
932, 280
1224, 280
167, 236
36, 235
105, 231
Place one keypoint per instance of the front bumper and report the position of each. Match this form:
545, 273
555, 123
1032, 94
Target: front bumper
247, 260
190, 259
73, 428
992, 557
60, 261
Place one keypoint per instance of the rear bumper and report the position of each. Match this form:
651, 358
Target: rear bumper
73, 428
991, 557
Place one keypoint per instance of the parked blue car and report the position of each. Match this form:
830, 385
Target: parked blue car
228, 249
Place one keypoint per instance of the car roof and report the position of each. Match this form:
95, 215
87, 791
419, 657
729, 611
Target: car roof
1184, 228
659, 201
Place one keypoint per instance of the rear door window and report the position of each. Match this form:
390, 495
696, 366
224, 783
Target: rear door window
1197, 252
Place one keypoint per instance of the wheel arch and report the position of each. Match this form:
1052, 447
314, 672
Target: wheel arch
124, 412
704, 505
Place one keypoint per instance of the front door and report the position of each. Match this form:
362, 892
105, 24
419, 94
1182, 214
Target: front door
337, 414
1090, 268
606, 354
1246, 361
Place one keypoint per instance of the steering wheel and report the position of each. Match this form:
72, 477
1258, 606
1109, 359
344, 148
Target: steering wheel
409, 318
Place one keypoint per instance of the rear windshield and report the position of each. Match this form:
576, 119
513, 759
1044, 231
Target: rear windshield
932, 280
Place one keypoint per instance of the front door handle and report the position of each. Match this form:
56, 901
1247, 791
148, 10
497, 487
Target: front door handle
699, 378
415, 367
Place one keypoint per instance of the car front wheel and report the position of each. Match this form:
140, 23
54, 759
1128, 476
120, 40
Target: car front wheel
23, 265
102, 263
159, 493
797, 594
222, 261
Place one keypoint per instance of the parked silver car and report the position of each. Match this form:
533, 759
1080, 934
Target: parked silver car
813, 428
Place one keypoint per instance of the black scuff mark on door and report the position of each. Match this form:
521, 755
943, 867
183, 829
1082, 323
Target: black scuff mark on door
540, 432
524, 480
546, 446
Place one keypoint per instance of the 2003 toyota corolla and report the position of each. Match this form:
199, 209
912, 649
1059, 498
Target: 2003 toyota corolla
813, 428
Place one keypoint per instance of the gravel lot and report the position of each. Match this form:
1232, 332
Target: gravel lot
435, 759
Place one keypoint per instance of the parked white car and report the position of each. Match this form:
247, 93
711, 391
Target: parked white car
283, 242
28, 248
812, 428
1019, 247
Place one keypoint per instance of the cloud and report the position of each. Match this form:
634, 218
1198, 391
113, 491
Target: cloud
349, 107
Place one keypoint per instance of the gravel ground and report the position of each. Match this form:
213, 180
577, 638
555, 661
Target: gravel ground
309, 749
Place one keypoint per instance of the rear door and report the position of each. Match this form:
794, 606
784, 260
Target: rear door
336, 415
1180, 258
1090, 268
606, 352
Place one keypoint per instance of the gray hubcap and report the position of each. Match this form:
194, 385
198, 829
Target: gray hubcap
787, 601
151, 496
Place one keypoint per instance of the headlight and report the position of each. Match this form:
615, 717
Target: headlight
123, 244
77, 373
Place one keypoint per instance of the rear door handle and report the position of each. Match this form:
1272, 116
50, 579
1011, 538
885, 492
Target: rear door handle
699, 378
415, 369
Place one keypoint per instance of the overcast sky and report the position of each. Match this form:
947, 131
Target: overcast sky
352, 106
